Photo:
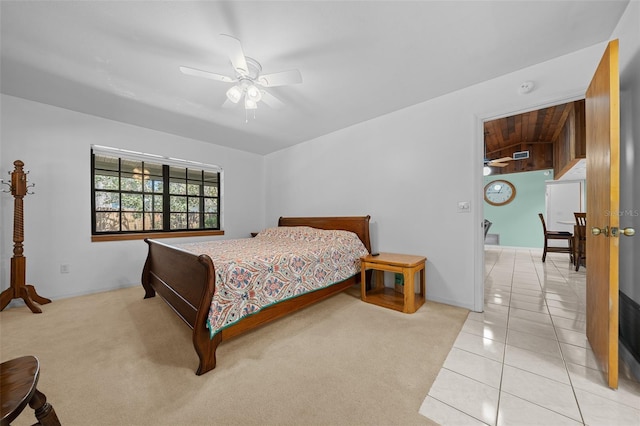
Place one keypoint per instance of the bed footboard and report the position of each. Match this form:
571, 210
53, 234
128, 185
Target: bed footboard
186, 282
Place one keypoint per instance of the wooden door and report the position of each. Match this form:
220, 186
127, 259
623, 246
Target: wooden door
603, 200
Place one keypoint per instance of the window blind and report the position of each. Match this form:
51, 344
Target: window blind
153, 158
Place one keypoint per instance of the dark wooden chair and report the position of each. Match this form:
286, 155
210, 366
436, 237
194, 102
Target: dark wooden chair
487, 225
18, 380
556, 235
580, 239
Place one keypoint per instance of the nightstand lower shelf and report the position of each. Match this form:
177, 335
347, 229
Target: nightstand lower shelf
389, 298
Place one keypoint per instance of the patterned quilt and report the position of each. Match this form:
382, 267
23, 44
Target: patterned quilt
278, 264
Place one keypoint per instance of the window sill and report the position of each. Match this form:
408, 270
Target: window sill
154, 235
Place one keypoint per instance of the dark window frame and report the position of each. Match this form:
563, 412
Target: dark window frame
201, 187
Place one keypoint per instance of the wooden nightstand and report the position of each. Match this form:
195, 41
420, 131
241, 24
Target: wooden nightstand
406, 264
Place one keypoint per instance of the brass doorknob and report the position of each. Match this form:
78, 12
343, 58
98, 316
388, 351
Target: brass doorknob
629, 232
596, 231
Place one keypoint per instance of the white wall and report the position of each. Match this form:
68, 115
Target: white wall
409, 169
54, 144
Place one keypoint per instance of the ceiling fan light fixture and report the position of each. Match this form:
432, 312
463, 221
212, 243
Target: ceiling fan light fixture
250, 103
254, 93
234, 94
486, 171
248, 79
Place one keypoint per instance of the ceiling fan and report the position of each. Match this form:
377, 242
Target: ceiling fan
498, 162
249, 84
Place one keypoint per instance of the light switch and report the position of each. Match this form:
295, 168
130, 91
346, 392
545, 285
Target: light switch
464, 206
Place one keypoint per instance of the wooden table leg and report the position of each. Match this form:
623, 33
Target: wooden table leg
44, 411
378, 279
409, 290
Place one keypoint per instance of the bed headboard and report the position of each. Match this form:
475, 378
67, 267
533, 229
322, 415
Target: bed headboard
357, 224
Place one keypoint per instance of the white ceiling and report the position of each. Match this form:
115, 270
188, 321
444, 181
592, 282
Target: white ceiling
359, 59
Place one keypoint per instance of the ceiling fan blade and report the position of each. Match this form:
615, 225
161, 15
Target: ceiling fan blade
493, 164
280, 78
227, 104
271, 100
206, 74
233, 48
501, 160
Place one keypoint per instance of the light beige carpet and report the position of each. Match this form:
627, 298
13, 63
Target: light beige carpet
116, 359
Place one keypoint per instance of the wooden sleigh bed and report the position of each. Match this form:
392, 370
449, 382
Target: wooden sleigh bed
186, 281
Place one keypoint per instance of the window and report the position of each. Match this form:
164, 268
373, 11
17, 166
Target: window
136, 193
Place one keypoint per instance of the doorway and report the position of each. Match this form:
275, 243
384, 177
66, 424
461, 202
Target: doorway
532, 132
531, 148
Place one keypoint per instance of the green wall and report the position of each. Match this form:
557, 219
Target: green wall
517, 223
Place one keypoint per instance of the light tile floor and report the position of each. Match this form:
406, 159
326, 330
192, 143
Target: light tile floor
525, 359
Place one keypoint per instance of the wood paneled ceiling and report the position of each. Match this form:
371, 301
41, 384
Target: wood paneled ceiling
533, 131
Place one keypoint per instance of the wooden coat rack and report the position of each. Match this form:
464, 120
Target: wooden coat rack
19, 288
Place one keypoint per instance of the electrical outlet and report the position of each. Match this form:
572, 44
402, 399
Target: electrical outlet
64, 269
